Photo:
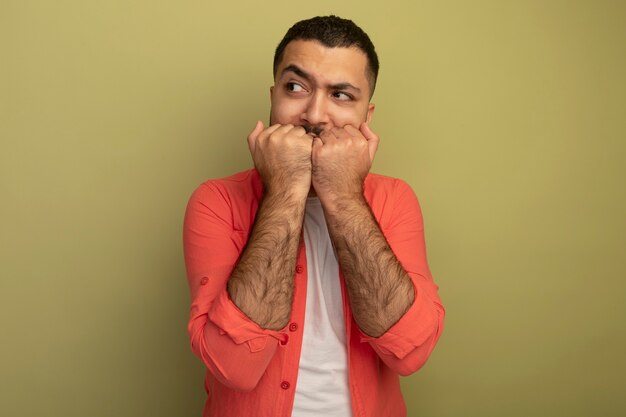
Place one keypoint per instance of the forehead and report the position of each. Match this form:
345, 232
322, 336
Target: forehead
324, 64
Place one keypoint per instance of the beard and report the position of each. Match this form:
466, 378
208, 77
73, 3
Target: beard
314, 130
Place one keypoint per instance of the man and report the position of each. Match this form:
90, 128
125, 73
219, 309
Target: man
309, 282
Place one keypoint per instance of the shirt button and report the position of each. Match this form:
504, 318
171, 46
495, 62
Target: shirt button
299, 269
293, 327
204, 280
284, 342
285, 385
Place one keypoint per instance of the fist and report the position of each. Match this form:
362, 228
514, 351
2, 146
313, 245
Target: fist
282, 156
341, 159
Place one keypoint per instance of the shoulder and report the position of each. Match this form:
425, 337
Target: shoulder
378, 186
244, 185
231, 200
389, 198
245, 179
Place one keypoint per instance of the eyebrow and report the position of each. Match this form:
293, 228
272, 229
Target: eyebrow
301, 73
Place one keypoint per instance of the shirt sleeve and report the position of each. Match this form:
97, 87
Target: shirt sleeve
406, 346
234, 348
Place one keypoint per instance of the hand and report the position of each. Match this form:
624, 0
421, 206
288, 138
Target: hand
282, 156
341, 159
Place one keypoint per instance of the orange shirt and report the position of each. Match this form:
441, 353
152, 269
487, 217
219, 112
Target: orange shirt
252, 371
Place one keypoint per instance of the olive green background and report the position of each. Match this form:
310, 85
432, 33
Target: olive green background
506, 117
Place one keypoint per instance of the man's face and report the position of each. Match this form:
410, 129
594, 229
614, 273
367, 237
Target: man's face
321, 88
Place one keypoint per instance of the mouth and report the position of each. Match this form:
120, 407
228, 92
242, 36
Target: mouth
314, 131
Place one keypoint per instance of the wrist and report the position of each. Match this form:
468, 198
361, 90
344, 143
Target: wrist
342, 202
288, 193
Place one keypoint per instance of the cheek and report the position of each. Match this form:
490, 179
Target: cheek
285, 111
348, 116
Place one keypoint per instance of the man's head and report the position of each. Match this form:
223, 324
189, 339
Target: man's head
332, 32
325, 70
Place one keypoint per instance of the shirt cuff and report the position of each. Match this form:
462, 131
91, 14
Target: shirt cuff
239, 327
411, 331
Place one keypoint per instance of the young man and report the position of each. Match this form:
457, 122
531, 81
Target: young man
310, 287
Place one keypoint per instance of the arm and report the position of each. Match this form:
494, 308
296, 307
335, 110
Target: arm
393, 298
233, 348
406, 346
262, 283
236, 348
379, 289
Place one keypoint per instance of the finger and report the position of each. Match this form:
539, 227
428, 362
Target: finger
315, 147
267, 132
353, 132
298, 131
341, 133
280, 131
367, 132
252, 137
372, 139
327, 135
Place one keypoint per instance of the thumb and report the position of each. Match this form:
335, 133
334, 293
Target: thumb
315, 149
371, 137
254, 135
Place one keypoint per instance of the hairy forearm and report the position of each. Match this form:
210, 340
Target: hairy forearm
379, 289
261, 284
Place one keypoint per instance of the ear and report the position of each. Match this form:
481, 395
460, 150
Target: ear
271, 91
370, 112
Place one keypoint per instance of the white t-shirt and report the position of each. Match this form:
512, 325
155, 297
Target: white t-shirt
322, 386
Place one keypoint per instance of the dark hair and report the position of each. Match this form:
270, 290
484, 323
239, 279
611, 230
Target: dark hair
333, 32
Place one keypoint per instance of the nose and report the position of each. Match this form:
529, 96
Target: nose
315, 113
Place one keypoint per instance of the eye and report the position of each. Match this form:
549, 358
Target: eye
294, 87
340, 95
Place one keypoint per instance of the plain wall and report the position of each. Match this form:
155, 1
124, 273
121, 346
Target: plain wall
506, 117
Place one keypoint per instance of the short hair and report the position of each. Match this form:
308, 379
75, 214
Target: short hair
333, 32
